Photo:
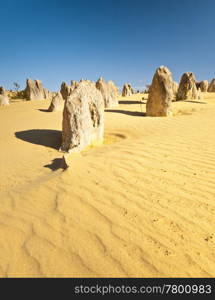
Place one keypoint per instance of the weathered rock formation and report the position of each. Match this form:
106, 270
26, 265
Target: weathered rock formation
187, 87
127, 90
199, 94
211, 88
160, 94
48, 94
83, 118
198, 84
66, 90
4, 100
2, 90
114, 93
74, 83
175, 86
203, 85
57, 103
108, 91
34, 90
114, 88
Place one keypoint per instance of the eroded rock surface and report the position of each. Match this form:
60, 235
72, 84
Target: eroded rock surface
83, 118
160, 94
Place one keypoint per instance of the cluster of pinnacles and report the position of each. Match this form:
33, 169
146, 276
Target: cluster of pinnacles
83, 102
164, 90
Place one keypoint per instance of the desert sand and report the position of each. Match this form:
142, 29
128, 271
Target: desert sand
140, 205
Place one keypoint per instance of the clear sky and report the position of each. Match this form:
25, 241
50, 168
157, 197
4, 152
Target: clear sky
123, 40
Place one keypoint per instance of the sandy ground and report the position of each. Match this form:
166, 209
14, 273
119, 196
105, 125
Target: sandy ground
141, 205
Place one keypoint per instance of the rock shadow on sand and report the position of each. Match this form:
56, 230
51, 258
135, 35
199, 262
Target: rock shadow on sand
193, 101
43, 110
56, 164
130, 102
127, 112
45, 137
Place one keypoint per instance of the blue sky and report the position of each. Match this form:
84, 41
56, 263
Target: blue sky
123, 40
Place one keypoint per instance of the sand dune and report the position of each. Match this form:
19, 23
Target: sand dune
141, 205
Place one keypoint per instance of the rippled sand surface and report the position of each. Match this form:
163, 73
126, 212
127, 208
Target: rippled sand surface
141, 205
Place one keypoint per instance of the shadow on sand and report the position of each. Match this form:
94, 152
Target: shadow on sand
43, 110
45, 137
57, 163
199, 102
127, 112
130, 102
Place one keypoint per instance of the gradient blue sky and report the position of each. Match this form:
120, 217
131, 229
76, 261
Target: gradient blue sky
123, 40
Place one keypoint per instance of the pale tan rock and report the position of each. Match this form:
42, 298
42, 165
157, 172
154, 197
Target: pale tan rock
108, 93
4, 100
127, 90
204, 86
57, 103
199, 94
74, 83
160, 94
175, 86
34, 90
211, 88
114, 88
187, 87
83, 118
65, 90
114, 93
48, 94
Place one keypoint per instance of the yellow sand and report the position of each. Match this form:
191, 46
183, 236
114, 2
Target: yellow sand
141, 205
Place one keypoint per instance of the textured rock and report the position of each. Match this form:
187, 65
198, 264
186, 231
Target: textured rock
198, 84
66, 90
57, 103
34, 90
108, 92
199, 94
160, 94
204, 86
127, 90
114, 88
4, 100
74, 83
175, 90
48, 94
2, 90
83, 118
211, 88
187, 87
114, 93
